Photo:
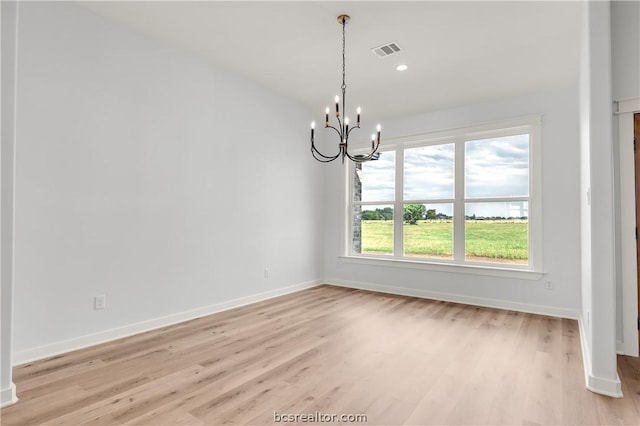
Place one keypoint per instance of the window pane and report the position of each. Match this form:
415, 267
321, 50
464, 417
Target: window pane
497, 167
497, 232
375, 180
428, 172
373, 229
428, 230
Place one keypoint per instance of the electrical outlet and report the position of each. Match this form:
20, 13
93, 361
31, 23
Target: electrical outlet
99, 302
548, 285
267, 273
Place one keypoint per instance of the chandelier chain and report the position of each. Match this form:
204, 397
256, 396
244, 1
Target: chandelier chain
344, 85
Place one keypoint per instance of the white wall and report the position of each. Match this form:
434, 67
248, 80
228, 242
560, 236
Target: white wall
8, 19
150, 177
625, 49
598, 323
560, 210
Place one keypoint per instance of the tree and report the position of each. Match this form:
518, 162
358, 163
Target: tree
386, 213
431, 214
413, 213
370, 215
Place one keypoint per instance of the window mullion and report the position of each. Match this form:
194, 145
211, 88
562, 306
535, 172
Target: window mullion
458, 205
398, 245
496, 199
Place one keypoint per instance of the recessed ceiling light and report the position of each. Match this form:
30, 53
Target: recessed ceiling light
402, 67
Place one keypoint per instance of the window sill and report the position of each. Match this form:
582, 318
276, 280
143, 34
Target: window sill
495, 271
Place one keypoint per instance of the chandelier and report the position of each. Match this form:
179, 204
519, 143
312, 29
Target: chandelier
342, 127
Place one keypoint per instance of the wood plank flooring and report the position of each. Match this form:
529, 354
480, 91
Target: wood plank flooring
395, 360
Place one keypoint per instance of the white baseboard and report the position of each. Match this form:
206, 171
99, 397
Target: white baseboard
457, 298
81, 342
595, 384
612, 388
625, 348
8, 396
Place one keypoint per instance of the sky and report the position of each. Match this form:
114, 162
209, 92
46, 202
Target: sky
496, 167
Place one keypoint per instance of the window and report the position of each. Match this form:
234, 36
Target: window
466, 196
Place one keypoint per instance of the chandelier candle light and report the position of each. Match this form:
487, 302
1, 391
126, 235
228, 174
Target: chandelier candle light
342, 127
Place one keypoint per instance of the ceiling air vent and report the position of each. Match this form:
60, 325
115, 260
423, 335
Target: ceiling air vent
386, 49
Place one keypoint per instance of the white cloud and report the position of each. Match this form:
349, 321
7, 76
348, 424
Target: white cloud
497, 167
378, 178
429, 172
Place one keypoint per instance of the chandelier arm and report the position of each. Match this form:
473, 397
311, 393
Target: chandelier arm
340, 127
315, 150
360, 159
323, 161
363, 158
323, 158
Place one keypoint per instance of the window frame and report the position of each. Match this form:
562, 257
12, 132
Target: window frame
531, 125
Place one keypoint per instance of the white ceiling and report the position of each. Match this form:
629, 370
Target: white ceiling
457, 52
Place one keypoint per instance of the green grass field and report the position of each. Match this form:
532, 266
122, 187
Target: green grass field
501, 241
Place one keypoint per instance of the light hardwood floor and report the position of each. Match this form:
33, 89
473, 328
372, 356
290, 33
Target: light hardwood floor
397, 360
